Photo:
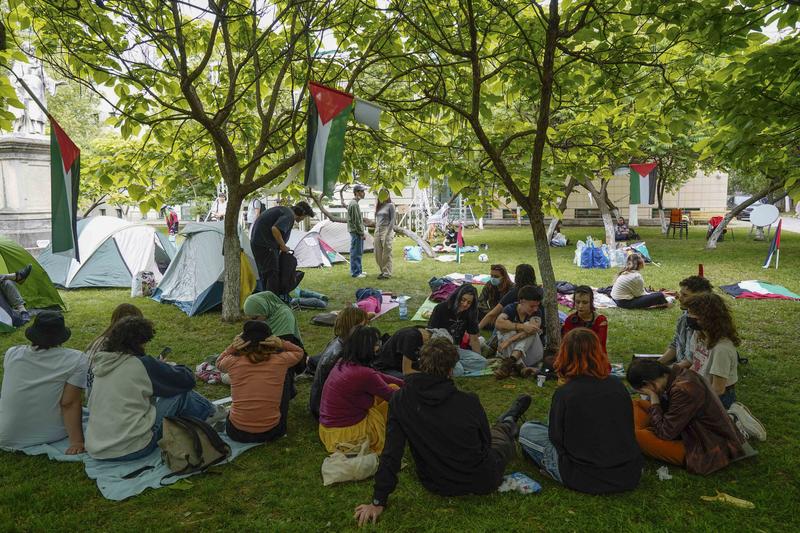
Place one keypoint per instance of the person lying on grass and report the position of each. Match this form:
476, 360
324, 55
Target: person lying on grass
680, 349
40, 401
399, 355
628, 290
455, 451
347, 319
524, 275
354, 399
713, 344
588, 444
682, 422
459, 316
585, 315
133, 392
519, 329
260, 368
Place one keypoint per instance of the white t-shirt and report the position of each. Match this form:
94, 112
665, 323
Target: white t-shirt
628, 286
254, 205
33, 383
721, 360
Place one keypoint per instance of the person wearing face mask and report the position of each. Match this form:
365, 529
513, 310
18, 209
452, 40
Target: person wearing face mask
491, 294
354, 398
713, 344
459, 316
680, 422
679, 349
585, 316
519, 328
523, 275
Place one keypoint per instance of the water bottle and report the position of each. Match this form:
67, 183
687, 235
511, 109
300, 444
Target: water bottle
403, 307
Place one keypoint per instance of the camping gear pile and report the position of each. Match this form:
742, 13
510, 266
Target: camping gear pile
591, 255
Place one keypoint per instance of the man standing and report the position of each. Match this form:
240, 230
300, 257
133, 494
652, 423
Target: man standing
268, 239
455, 451
355, 225
218, 207
679, 350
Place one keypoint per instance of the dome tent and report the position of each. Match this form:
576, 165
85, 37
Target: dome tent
194, 280
311, 251
112, 251
336, 235
38, 291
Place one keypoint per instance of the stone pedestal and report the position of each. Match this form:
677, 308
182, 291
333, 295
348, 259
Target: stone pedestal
25, 188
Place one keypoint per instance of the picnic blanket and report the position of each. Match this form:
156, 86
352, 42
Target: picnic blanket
759, 290
386, 305
110, 476
601, 301
477, 279
428, 306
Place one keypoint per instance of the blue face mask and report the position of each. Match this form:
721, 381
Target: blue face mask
495, 281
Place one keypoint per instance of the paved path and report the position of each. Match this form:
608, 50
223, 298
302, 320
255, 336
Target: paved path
791, 224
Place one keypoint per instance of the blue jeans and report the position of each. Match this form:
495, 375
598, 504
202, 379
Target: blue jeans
470, 361
356, 251
728, 397
189, 403
535, 441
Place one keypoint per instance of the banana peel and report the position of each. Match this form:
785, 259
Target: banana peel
730, 500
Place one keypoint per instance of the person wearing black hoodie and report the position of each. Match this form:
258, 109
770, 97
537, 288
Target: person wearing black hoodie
454, 449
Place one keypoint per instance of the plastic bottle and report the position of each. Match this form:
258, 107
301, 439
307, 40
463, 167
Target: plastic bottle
402, 300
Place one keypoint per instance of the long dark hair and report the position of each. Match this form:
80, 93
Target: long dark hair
359, 348
714, 317
455, 299
524, 275
506, 282
129, 335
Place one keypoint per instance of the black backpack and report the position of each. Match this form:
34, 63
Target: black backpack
288, 276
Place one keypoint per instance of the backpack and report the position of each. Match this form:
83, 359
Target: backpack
190, 445
288, 276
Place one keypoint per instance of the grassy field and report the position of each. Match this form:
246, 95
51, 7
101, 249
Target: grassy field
277, 487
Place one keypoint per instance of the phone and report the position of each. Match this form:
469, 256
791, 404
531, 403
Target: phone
164, 353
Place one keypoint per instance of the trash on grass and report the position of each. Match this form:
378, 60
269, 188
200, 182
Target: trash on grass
730, 500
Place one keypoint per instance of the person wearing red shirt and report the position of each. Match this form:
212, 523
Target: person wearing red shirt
585, 316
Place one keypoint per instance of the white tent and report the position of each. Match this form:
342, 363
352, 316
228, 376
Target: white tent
335, 234
194, 279
311, 251
112, 251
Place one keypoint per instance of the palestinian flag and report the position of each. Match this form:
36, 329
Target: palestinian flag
328, 112
775, 247
65, 163
643, 183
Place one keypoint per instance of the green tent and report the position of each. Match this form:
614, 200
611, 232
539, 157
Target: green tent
38, 291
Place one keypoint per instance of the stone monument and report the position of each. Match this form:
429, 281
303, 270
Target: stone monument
25, 163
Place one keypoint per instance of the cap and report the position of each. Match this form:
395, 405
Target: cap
359, 188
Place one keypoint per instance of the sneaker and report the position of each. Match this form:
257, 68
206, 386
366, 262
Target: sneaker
23, 273
217, 419
381, 276
517, 409
752, 426
362, 275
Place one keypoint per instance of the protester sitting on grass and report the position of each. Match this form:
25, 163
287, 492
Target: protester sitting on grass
347, 319
40, 400
679, 349
459, 316
259, 365
133, 392
523, 276
589, 444
628, 290
400, 353
585, 315
279, 317
519, 328
713, 344
354, 399
455, 451
491, 294
120, 312
9, 290
682, 423
622, 232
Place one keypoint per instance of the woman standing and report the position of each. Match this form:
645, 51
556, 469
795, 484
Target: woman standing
589, 443
385, 216
628, 290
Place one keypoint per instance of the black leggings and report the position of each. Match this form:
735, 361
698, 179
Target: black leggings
271, 434
644, 301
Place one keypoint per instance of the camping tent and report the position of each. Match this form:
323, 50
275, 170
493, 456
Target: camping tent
311, 251
336, 235
38, 290
112, 251
193, 281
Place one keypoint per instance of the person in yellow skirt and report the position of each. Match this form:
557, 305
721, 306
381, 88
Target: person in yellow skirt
355, 397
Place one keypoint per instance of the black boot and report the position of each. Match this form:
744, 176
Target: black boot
23, 273
517, 409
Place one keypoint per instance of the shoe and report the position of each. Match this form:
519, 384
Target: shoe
381, 276
362, 275
217, 419
517, 409
23, 273
752, 426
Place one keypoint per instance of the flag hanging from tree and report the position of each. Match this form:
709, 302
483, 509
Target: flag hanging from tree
328, 112
775, 247
643, 183
65, 164
368, 114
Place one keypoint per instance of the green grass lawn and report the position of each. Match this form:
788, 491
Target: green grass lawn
277, 487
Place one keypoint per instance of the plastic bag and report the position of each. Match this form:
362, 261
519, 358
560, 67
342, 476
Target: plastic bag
350, 462
617, 258
412, 253
143, 284
586, 257
520, 483
600, 257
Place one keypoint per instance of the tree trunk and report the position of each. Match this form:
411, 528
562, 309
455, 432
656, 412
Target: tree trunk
611, 206
605, 213
231, 251
661, 215
712, 241
562, 205
94, 205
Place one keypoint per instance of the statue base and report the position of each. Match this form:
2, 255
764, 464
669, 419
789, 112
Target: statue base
25, 189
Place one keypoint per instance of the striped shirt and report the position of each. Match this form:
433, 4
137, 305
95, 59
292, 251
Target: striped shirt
628, 286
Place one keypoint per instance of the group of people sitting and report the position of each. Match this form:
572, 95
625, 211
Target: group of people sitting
397, 389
